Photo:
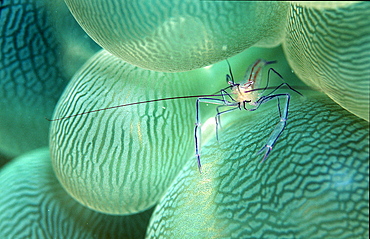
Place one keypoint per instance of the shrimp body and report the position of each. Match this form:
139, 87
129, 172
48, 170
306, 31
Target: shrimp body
243, 90
240, 93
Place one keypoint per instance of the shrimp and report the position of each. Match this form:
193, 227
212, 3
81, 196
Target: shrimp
244, 94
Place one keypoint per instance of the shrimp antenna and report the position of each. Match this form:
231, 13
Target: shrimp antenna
162, 99
130, 104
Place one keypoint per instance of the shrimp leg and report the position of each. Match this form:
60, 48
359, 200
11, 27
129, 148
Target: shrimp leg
219, 113
279, 128
226, 104
278, 74
222, 102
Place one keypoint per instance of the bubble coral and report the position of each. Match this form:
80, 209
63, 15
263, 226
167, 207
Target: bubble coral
315, 182
36, 63
176, 36
33, 204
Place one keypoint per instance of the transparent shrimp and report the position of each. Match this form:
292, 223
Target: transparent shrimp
246, 95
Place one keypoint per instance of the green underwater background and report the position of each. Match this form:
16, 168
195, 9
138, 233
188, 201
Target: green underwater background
130, 172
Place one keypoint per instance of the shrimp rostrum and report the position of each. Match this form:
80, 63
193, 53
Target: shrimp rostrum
248, 96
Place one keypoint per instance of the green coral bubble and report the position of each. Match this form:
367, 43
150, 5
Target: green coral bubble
330, 49
34, 205
174, 36
314, 184
35, 65
120, 161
